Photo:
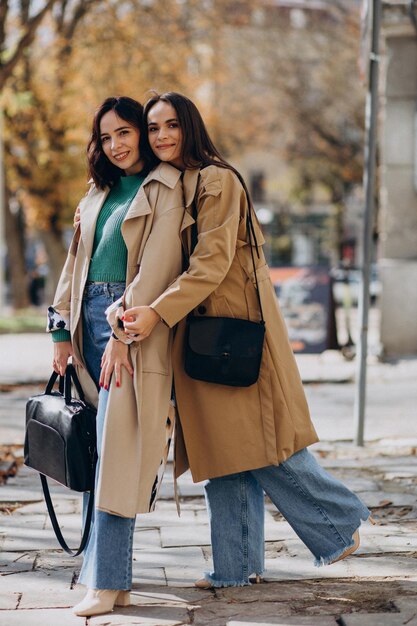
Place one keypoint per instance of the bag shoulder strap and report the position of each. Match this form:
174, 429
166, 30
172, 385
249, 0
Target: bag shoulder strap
55, 524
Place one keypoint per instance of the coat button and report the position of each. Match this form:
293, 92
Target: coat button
202, 309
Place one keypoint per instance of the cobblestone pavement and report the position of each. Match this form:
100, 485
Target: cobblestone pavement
377, 586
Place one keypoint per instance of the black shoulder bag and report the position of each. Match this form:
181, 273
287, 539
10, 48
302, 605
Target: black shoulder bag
225, 350
60, 443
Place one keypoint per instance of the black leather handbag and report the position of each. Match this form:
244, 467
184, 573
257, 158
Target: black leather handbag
225, 350
60, 443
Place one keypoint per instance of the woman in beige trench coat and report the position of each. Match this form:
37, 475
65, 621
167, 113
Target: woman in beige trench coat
242, 439
127, 248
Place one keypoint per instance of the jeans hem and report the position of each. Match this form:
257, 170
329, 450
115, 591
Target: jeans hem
226, 583
328, 560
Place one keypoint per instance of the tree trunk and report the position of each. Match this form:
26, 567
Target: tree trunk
57, 254
15, 238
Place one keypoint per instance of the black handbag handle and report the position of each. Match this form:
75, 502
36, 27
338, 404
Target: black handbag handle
71, 375
65, 389
52, 381
54, 521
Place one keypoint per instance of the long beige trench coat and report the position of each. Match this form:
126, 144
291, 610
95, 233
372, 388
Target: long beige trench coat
137, 428
224, 429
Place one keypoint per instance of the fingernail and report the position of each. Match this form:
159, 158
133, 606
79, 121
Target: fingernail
117, 384
123, 318
101, 384
106, 387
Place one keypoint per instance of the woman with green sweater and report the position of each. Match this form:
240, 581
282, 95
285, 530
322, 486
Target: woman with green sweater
126, 248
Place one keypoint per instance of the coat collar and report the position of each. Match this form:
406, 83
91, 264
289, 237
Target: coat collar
165, 174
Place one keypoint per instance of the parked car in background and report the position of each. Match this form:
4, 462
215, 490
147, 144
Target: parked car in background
347, 282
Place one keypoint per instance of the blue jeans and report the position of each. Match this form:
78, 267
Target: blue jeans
321, 510
108, 556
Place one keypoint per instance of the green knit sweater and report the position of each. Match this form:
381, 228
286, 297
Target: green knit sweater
109, 256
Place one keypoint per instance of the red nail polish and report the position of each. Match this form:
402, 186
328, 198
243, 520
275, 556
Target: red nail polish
106, 387
101, 384
123, 318
117, 384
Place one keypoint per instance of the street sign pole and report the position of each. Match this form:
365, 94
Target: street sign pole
369, 186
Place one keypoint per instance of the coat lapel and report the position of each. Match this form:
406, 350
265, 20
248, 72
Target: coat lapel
189, 181
90, 207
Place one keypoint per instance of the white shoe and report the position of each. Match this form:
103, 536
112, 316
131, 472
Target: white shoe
98, 601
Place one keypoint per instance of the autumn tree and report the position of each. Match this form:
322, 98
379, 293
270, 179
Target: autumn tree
18, 29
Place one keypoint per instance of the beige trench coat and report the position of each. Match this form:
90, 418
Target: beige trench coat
224, 429
137, 429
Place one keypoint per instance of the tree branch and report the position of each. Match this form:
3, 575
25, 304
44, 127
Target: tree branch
25, 40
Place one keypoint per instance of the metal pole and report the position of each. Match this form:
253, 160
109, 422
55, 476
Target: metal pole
368, 183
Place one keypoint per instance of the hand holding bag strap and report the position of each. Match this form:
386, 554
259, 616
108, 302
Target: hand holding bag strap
55, 524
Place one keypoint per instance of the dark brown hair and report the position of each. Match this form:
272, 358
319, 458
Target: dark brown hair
101, 170
197, 150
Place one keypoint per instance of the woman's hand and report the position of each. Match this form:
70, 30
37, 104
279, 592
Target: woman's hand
140, 321
62, 352
115, 356
77, 217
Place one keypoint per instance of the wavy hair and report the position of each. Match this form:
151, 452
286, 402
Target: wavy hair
100, 169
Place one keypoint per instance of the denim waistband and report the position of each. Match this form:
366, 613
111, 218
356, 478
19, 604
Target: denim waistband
108, 289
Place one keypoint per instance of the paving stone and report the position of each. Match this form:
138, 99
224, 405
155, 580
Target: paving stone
22, 539
169, 557
143, 539
39, 581
165, 517
406, 604
8, 522
300, 566
158, 598
385, 544
40, 617
196, 535
50, 599
288, 621
148, 576
375, 498
201, 516
374, 619
8, 601
191, 490
143, 616
277, 530
359, 484
56, 560
12, 562
61, 507
184, 576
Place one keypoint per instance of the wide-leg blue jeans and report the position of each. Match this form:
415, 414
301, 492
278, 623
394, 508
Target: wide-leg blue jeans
108, 556
321, 510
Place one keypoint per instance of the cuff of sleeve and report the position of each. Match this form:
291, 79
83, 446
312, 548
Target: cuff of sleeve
60, 335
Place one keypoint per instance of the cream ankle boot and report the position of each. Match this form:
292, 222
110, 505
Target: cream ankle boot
98, 601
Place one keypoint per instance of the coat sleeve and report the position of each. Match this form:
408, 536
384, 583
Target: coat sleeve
59, 312
221, 202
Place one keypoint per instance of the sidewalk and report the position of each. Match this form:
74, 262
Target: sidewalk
375, 587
